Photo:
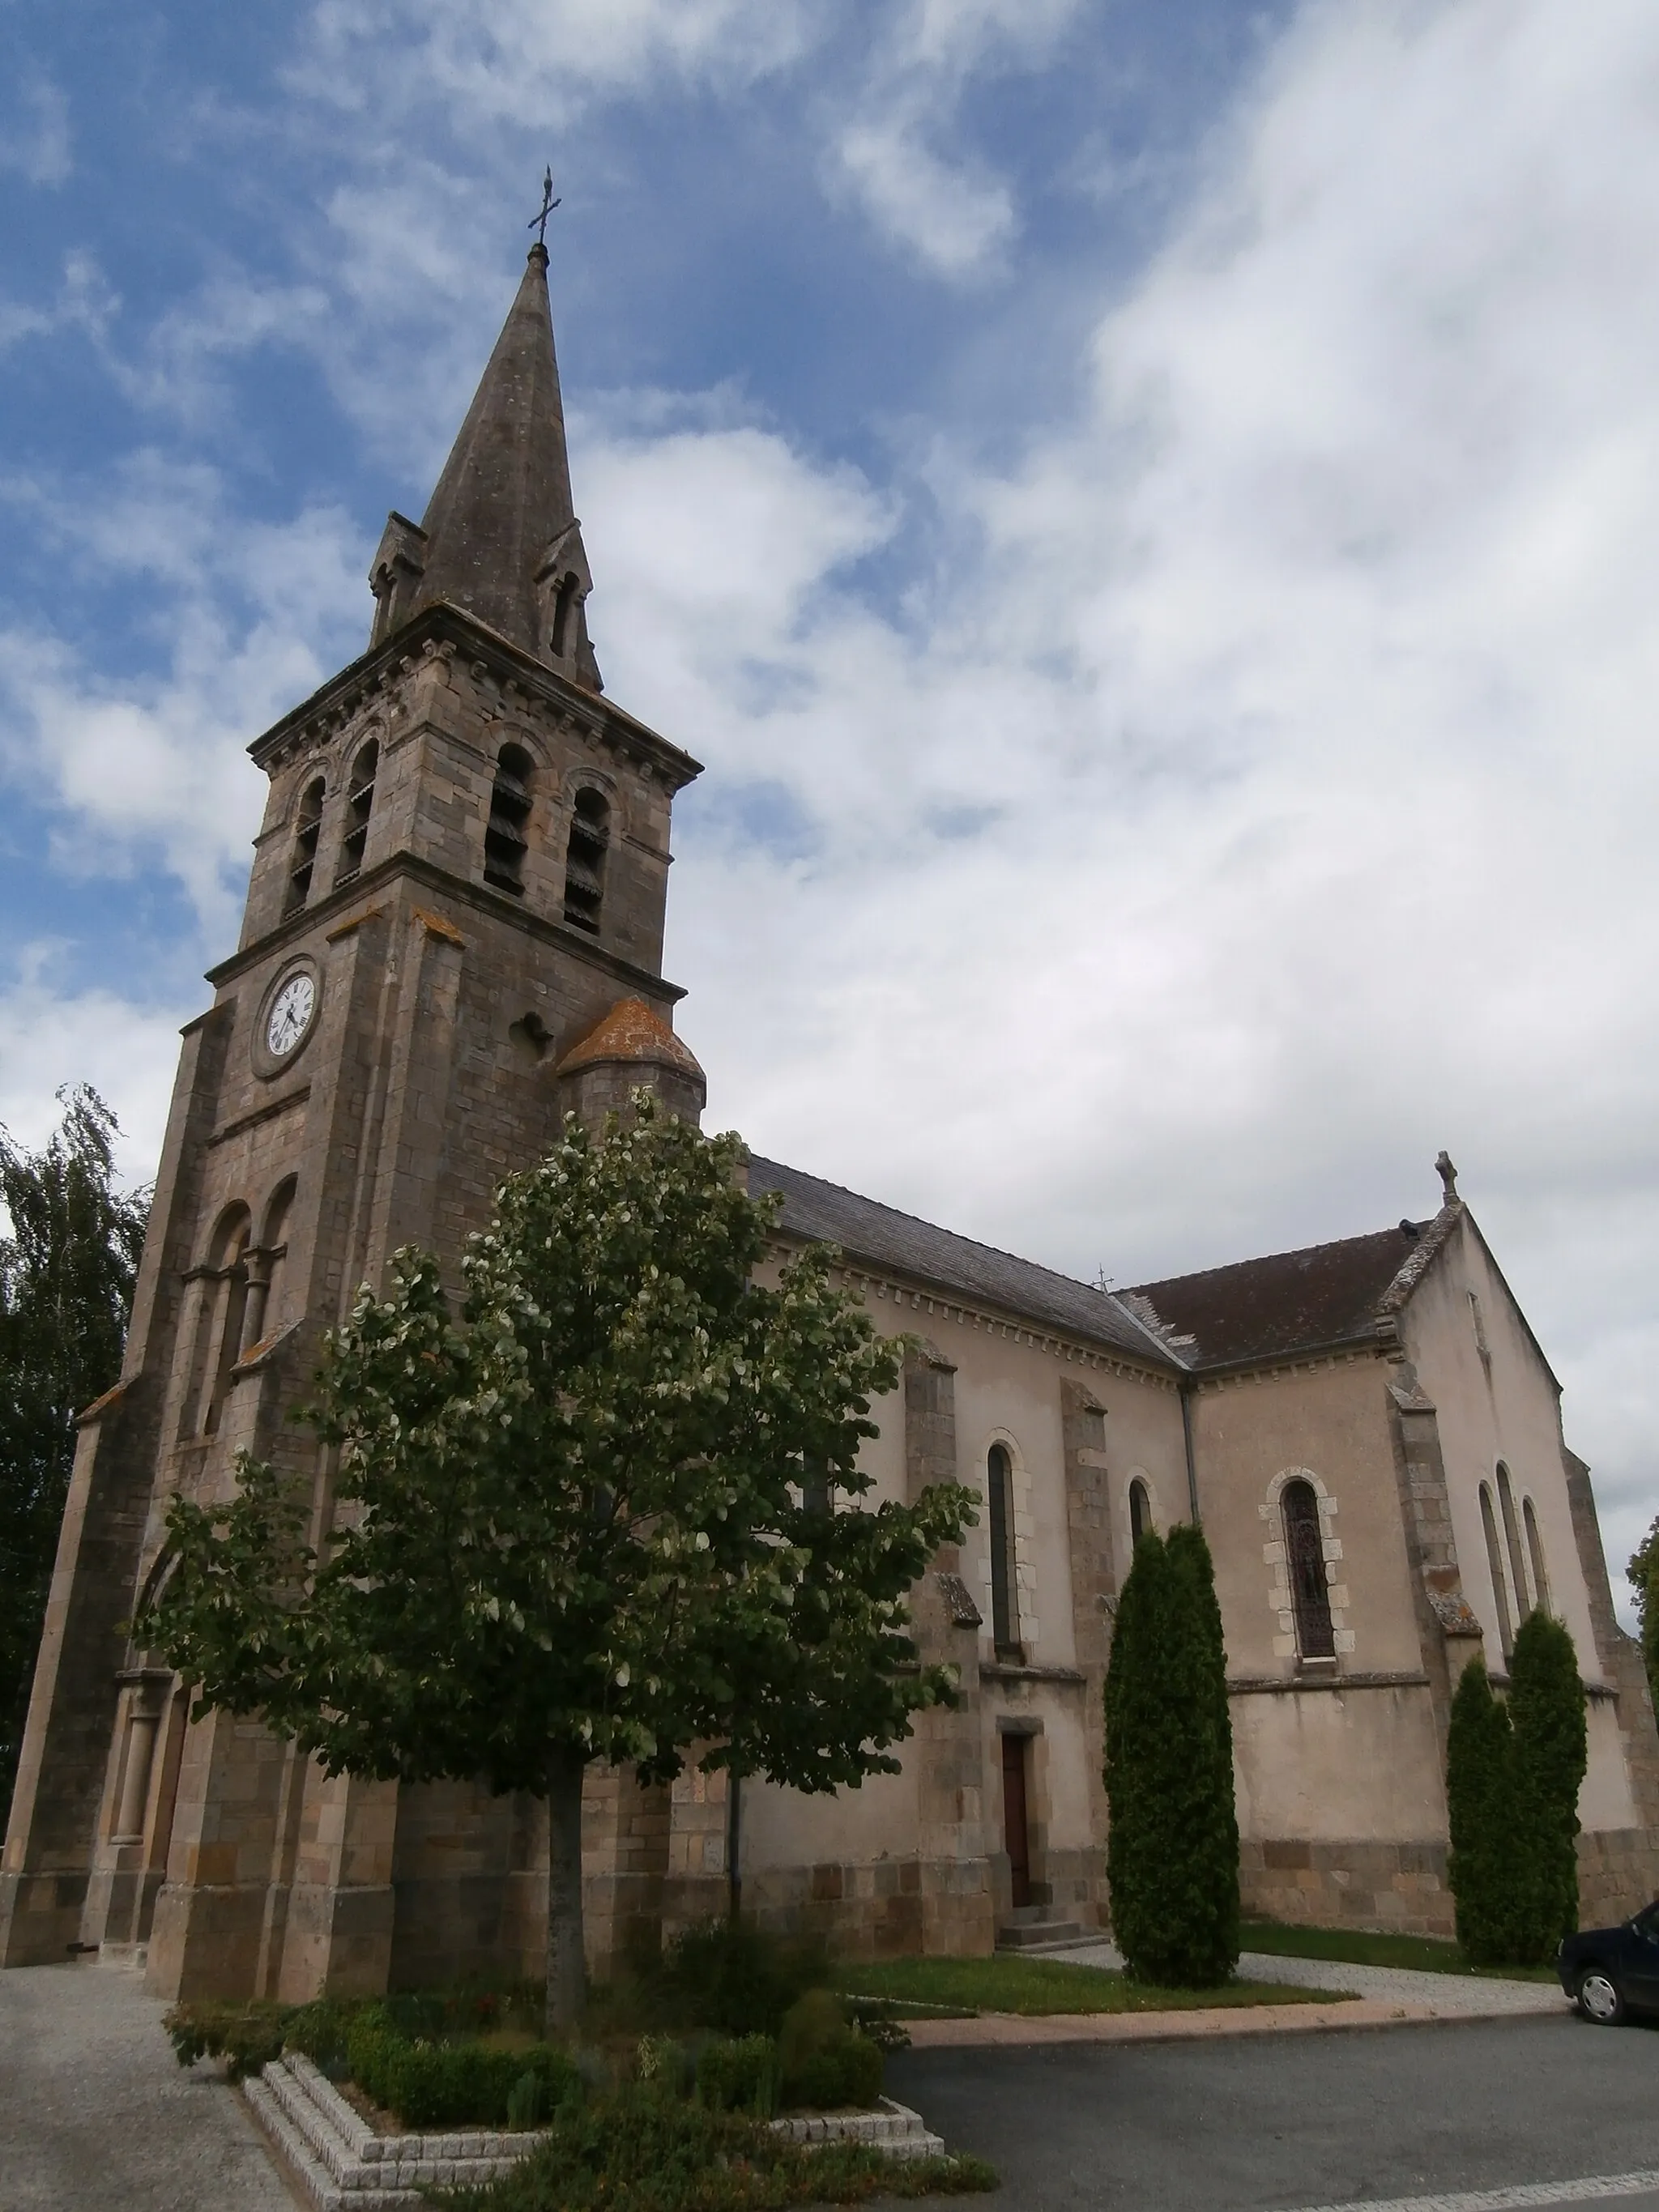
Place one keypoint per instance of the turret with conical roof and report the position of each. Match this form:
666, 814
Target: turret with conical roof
500, 536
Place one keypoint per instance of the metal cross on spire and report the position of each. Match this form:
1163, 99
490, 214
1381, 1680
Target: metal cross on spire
538, 222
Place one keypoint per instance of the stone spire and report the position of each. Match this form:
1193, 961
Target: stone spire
500, 535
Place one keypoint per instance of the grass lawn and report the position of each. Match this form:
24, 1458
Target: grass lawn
1044, 1985
1420, 1954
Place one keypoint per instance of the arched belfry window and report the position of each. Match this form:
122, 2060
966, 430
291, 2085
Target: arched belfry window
1495, 1565
1305, 1561
1541, 1578
308, 827
1005, 1592
507, 839
585, 856
360, 805
1140, 1510
228, 1262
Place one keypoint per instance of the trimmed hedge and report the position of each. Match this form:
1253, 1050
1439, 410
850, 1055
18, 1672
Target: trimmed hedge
740, 2075
438, 2085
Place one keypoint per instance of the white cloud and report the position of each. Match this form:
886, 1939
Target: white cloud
35, 132
540, 61
127, 1053
152, 770
83, 302
955, 215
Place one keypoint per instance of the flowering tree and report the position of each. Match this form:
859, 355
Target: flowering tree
583, 1517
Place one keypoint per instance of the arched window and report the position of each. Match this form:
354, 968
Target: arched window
360, 805
1304, 1560
1540, 1580
1005, 1596
584, 866
506, 840
1523, 1600
228, 1260
1140, 1510
264, 1268
303, 860
1495, 1563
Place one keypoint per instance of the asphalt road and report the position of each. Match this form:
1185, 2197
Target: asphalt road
1275, 2123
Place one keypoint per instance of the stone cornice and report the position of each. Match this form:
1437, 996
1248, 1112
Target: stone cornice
412, 868
446, 631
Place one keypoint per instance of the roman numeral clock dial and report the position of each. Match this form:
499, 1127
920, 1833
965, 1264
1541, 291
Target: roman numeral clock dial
292, 1013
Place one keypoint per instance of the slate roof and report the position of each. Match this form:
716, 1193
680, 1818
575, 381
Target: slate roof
823, 1212
1291, 1301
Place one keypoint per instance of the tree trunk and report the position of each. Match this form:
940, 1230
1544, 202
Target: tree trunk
566, 1967
734, 1845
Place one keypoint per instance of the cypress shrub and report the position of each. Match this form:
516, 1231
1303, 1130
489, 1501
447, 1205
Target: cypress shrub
1547, 1721
1490, 1864
1172, 1847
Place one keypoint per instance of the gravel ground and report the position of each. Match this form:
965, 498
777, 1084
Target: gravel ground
1448, 1993
97, 2116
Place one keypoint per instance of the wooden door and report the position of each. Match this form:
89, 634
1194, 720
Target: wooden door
1015, 1832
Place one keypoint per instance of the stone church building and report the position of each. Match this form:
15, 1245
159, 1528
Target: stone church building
453, 934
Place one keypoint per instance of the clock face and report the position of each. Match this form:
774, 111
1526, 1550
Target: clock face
290, 1015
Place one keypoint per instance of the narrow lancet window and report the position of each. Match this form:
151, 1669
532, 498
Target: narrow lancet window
584, 867
507, 839
1140, 1510
1540, 1579
1304, 1560
1512, 1541
307, 829
1495, 1563
1005, 1597
360, 805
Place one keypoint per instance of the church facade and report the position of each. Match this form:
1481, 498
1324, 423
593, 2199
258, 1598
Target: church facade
453, 935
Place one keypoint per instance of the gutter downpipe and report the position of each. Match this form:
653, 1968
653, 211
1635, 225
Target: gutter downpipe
1187, 1390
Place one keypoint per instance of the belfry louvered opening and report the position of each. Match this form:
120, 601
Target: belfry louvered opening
585, 858
508, 838
360, 805
308, 828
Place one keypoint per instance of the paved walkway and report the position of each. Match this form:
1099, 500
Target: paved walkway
97, 2116
1482, 1996
1377, 1996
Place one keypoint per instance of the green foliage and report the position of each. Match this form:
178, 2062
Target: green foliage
1546, 1708
1513, 1773
1172, 1848
825, 2062
527, 2100
441, 2085
1643, 1572
68, 1263
248, 2033
737, 1978
740, 2075
575, 1525
639, 2151
1489, 1867
1012, 1983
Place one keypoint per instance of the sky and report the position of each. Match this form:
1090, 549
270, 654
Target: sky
1147, 509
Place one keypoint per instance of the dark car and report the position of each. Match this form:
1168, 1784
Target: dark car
1608, 1972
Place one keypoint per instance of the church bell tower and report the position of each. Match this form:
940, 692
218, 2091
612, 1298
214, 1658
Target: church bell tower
453, 934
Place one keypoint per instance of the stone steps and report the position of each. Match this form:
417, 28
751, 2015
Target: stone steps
341, 2165
1038, 1928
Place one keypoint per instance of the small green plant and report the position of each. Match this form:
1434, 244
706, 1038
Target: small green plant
527, 2101
735, 1978
826, 2064
740, 2075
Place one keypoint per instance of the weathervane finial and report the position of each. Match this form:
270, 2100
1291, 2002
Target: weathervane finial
538, 222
